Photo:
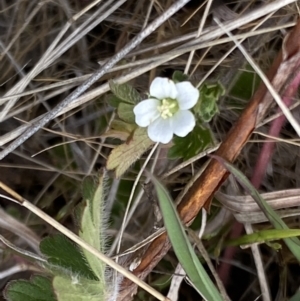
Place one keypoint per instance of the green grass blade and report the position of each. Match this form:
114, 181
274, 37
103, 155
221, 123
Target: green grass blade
183, 248
292, 243
263, 236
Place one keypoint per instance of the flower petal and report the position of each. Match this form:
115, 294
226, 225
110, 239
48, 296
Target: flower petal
163, 87
161, 130
183, 123
146, 112
187, 95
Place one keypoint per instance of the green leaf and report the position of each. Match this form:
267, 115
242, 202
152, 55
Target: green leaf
179, 76
195, 142
78, 275
207, 107
125, 112
124, 155
263, 236
113, 100
91, 217
61, 252
37, 289
245, 85
183, 248
79, 289
125, 93
89, 187
120, 125
292, 243
120, 129
92, 223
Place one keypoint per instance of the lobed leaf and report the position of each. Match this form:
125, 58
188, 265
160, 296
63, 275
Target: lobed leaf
61, 252
38, 288
113, 100
189, 146
120, 129
78, 289
125, 93
125, 112
124, 155
91, 217
207, 107
78, 275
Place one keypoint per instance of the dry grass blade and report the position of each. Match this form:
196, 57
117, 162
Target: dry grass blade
202, 42
13, 225
246, 210
94, 78
277, 200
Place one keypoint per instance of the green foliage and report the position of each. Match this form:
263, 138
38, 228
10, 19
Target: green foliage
91, 219
207, 108
77, 274
263, 236
201, 137
195, 142
246, 83
124, 99
124, 155
183, 248
137, 141
120, 129
61, 252
179, 76
122, 196
113, 101
125, 112
119, 125
77, 289
92, 224
38, 288
125, 93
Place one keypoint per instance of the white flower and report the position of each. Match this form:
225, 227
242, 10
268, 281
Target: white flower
166, 112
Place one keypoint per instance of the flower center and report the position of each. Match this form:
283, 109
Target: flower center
168, 107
